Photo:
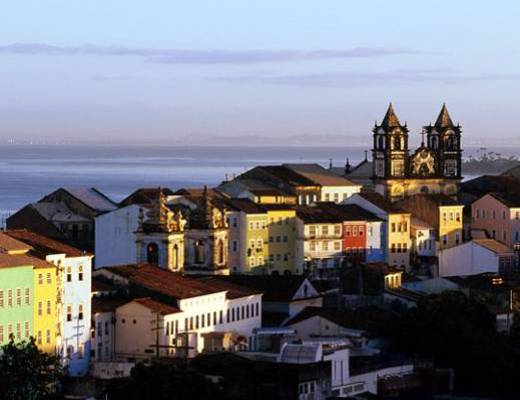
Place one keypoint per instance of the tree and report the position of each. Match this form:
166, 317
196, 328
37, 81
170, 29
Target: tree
26, 372
460, 333
163, 380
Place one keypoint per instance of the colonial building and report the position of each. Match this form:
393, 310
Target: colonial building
499, 215
67, 215
170, 315
395, 227
435, 167
206, 236
160, 236
62, 290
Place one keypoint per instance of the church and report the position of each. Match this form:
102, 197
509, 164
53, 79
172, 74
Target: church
433, 168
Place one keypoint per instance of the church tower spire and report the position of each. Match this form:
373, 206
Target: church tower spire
390, 148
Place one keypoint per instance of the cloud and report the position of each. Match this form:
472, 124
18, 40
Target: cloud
365, 79
183, 56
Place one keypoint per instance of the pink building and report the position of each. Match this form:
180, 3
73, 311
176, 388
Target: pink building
499, 215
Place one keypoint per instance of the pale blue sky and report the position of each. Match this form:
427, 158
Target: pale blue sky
127, 70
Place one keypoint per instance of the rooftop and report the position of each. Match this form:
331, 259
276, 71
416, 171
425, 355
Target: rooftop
159, 280
493, 245
92, 198
381, 202
144, 196
274, 288
43, 246
157, 306
57, 212
12, 245
319, 175
22, 260
511, 200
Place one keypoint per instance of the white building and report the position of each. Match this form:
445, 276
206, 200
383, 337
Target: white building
191, 315
423, 238
74, 302
475, 257
115, 236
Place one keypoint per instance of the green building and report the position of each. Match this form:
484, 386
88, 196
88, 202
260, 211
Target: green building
16, 297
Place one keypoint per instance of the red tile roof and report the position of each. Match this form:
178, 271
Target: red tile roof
21, 260
43, 245
234, 291
157, 306
9, 244
159, 280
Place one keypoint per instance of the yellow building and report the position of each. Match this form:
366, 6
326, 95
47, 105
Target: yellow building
45, 308
281, 228
248, 237
441, 212
398, 234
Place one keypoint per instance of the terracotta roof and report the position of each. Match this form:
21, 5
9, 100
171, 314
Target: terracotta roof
99, 284
234, 291
274, 288
286, 175
246, 206
157, 306
159, 280
44, 245
317, 215
20, 260
9, 244
349, 212
444, 119
426, 207
319, 175
493, 245
144, 196
381, 202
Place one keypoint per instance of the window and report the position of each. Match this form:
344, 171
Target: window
27, 331
503, 215
256, 310
69, 274
9, 330
457, 238
337, 230
393, 226
1, 300
259, 243
445, 239
202, 321
1, 334
234, 245
49, 307
106, 328
354, 231
221, 317
80, 273
347, 232
27, 297
39, 337
392, 249
40, 279
337, 246
285, 239
40, 308
10, 297
325, 230
444, 217
361, 231
457, 217
18, 296
196, 322
48, 336
49, 278
493, 214
69, 312
405, 227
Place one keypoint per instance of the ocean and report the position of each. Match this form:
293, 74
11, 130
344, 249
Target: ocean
29, 172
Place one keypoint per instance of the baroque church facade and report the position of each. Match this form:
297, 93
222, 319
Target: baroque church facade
433, 168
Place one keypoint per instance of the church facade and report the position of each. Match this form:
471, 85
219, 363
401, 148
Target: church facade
433, 168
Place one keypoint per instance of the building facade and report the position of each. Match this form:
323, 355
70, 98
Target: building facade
435, 167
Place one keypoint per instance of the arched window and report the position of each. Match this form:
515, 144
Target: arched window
175, 256
152, 254
220, 252
433, 142
199, 252
397, 143
450, 143
381, 142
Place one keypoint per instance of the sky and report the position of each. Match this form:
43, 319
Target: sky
166, 71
